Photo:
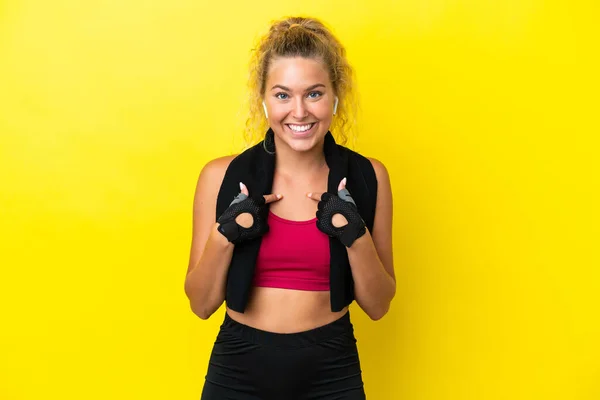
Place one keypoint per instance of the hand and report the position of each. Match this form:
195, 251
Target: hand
338, 216
246, 217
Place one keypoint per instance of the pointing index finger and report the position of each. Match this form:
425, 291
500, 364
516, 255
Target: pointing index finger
315, 196
269, 198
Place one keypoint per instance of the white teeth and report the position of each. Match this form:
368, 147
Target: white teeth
300, 128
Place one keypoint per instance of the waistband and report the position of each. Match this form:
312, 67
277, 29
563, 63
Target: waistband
298, 339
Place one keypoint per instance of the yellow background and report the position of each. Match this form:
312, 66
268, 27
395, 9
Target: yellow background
485, 112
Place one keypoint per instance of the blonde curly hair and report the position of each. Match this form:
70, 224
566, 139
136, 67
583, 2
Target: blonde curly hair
309, 38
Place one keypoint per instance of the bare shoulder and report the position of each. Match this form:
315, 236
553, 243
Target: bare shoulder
382, 227
381, 171
216, 168
384, 205
205, 200
209, 182
384, 187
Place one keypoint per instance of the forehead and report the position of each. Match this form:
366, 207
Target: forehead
297, 72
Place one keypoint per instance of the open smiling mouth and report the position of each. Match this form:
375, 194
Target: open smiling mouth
301, 130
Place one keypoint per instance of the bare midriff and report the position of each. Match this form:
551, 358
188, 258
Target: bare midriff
286, 310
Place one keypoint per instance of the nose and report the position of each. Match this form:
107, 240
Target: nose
299, 111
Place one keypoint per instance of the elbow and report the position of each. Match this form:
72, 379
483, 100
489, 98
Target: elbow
202, 312
202, 306
380, 309
376, 308
377, 313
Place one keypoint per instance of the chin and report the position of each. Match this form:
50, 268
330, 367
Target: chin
302, 147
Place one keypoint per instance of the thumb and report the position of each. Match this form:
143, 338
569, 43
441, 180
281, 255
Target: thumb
342, 184
244, 189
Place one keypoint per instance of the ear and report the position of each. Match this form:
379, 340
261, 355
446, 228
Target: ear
265, 108
335, 105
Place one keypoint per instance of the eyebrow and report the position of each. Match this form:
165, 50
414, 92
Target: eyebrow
289, 90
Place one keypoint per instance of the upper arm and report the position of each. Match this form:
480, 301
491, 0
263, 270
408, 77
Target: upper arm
205, 204
382, 225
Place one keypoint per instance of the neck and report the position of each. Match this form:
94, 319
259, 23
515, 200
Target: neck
294, 163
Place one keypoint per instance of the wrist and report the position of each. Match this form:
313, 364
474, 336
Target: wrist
219, 239
360, 242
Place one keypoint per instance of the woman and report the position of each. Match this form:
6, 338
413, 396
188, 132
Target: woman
308, 231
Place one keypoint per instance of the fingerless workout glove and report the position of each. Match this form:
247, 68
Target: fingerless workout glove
236, 233
343, 203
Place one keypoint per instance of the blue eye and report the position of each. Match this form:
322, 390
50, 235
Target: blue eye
281, 96
314, 95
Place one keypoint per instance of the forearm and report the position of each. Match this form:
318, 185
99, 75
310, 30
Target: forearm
374, 288
205, 283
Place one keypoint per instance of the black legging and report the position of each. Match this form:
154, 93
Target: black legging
251, 364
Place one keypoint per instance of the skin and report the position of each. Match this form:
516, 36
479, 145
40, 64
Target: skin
298, 93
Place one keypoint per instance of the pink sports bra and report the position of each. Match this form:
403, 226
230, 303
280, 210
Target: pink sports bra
293, 255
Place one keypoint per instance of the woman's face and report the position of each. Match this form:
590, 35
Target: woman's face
299, 100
